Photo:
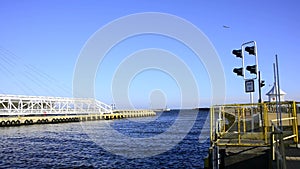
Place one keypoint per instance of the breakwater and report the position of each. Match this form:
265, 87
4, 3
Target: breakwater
6, 121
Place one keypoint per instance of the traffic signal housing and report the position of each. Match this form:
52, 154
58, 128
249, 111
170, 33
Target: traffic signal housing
238, 53
262, 83
250, 50
238, 71
252, 69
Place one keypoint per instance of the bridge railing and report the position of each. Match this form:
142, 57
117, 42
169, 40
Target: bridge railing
11, 105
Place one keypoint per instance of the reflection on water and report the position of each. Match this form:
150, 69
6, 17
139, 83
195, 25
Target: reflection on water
69, 146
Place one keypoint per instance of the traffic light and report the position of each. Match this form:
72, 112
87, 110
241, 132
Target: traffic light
250, 50
238, 71
237, 53
252, 69
262, 83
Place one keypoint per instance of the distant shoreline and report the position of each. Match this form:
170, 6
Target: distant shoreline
167, 110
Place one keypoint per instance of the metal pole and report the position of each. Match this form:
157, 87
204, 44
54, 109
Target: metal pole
252, 121
278, 88
275, 88
259, 88
259, 97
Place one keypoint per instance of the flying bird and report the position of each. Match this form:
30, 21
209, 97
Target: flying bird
224, 26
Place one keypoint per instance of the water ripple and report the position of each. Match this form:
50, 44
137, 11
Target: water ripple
67, 146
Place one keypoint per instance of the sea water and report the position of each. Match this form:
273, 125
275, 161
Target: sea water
71, 145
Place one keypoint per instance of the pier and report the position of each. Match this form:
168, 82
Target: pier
27, 110
250, 136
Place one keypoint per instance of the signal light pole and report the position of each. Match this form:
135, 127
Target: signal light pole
251, 48
253, 69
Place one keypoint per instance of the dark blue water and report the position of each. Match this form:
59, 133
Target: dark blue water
69, 146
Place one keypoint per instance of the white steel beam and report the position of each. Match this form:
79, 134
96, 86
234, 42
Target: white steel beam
40, 105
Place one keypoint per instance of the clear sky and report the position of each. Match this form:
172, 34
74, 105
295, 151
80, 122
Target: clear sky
40, 42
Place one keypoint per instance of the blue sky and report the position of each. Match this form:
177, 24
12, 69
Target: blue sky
40, 42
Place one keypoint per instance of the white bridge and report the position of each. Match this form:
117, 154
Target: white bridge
15, 105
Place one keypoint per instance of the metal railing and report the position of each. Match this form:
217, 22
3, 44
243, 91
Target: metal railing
250, 125
277, 147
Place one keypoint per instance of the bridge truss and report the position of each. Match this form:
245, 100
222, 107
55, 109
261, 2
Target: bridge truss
16, 105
